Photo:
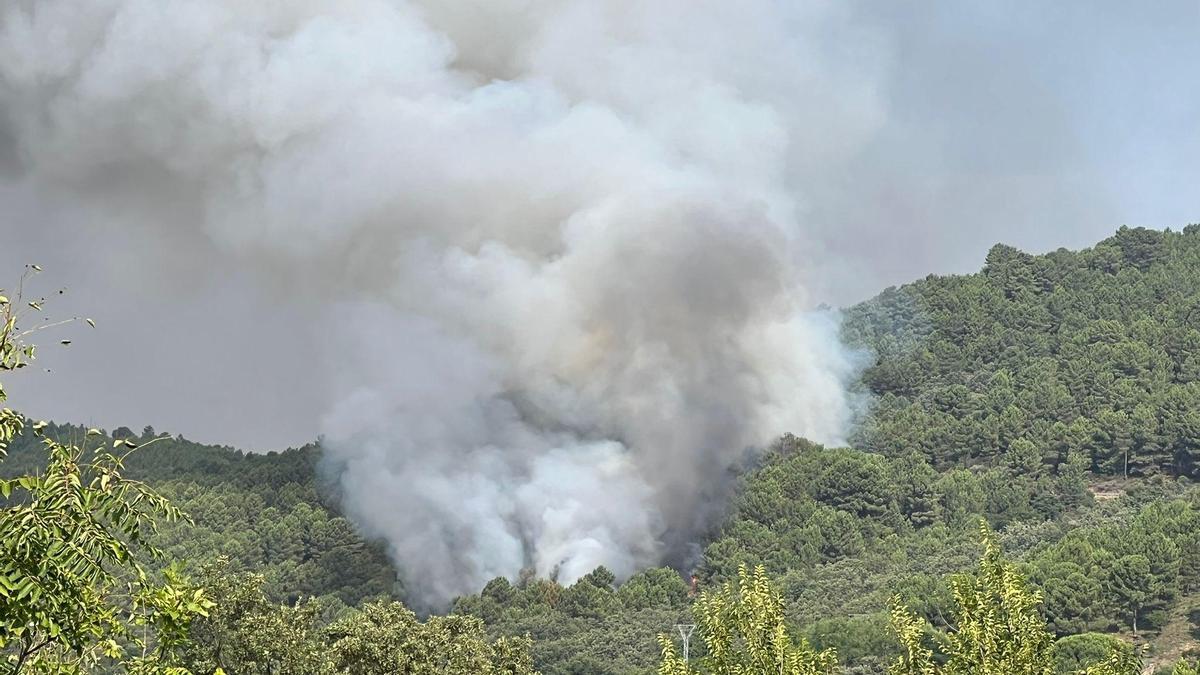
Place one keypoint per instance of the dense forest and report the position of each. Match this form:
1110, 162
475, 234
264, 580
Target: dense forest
1019, 497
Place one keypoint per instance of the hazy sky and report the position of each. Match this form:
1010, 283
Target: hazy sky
1041, 125
1036, 124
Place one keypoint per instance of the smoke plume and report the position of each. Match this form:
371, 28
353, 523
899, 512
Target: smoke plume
553, 254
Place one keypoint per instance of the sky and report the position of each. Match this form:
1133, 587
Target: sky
1040, 125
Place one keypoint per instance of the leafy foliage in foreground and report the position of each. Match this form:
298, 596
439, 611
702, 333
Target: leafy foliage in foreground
745, 631
73, 537
996, 629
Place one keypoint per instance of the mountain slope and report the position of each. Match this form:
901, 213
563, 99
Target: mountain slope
266, 512
1055, 396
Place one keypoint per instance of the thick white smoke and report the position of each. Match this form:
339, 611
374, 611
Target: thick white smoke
555, 248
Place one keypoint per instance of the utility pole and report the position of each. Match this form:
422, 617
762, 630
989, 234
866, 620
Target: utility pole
685, 632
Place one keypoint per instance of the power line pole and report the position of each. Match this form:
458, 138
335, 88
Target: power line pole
685, 632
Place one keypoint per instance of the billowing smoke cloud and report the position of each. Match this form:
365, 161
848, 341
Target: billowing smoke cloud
554, 245
546, 265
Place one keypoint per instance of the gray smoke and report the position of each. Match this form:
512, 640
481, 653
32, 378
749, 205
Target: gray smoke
548, 266
553, 246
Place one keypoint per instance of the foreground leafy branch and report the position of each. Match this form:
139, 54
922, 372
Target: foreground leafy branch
997, 628
744, 631
73, 589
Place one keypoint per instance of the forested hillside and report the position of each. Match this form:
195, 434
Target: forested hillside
1054, 397
1040, 361
266, 513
